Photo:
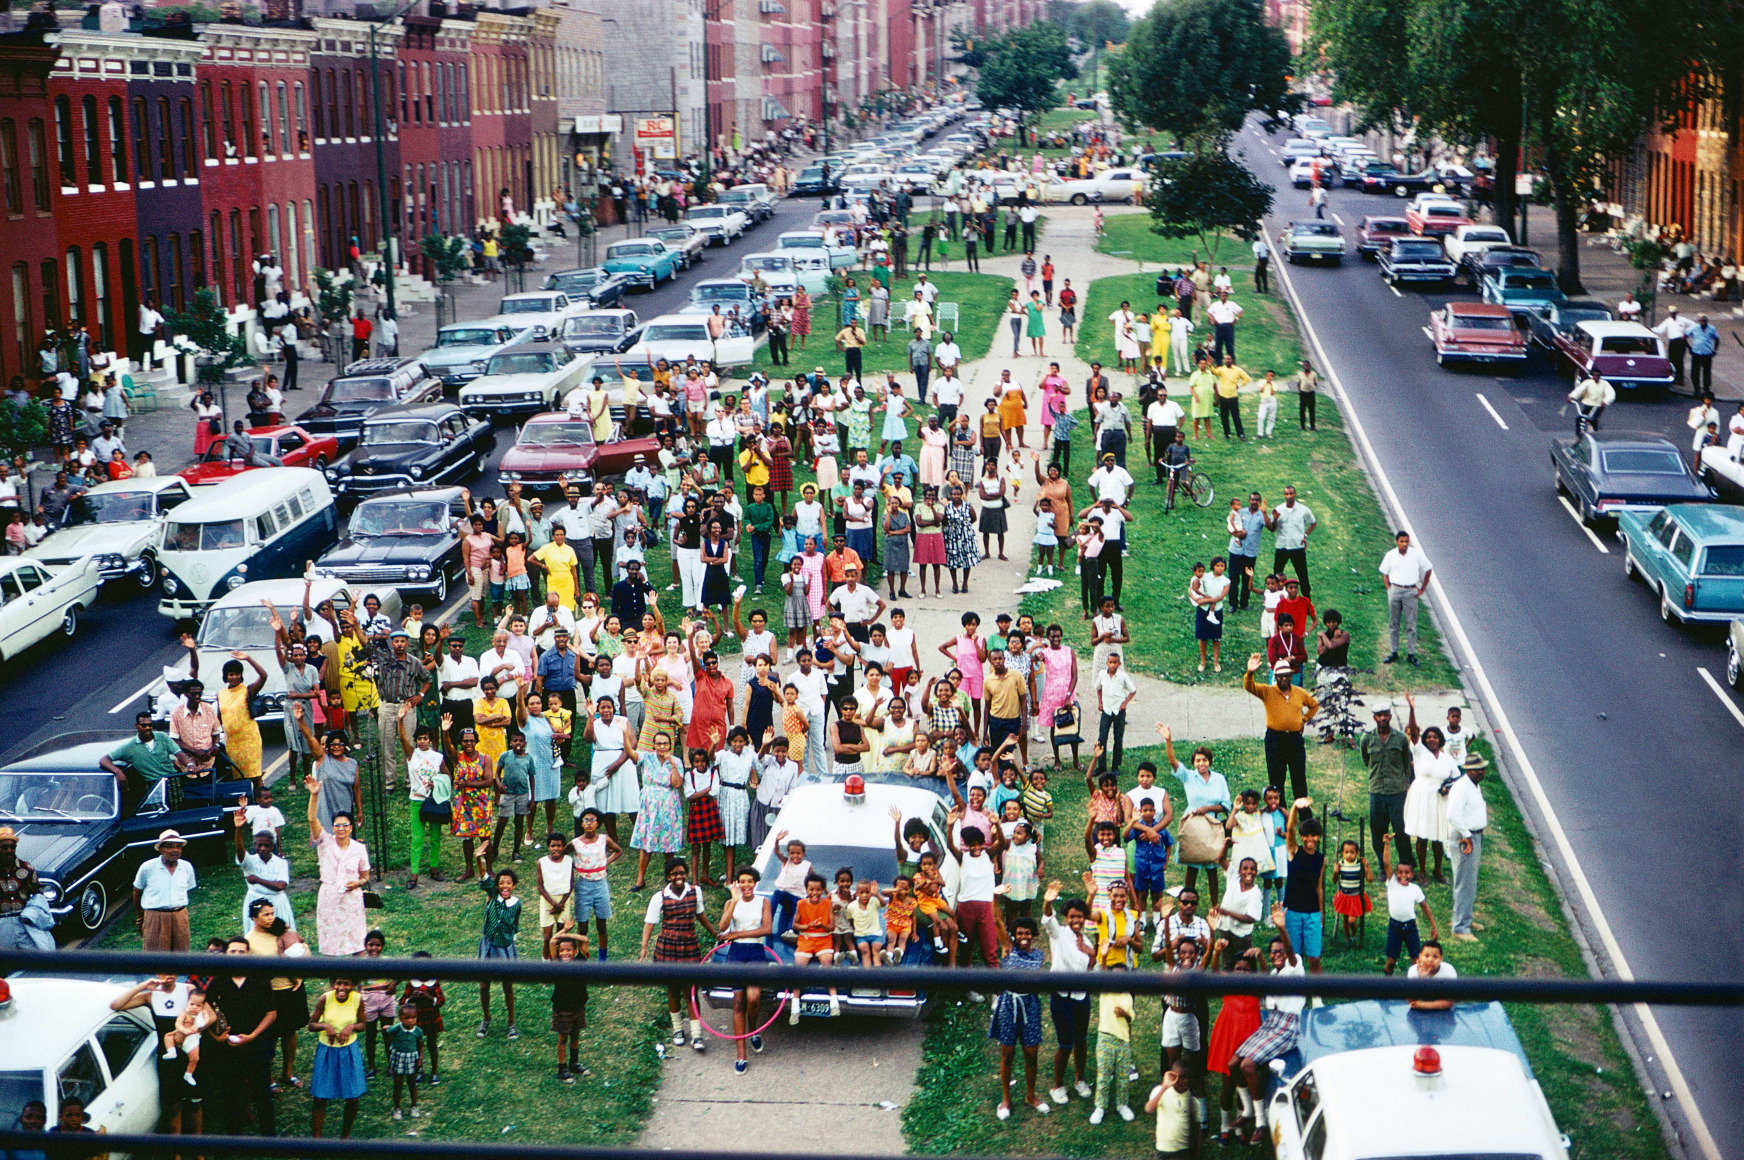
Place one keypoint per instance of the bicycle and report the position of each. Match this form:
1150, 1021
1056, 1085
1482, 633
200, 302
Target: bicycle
1195, 485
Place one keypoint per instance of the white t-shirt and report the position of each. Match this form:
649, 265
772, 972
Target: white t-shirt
557, 877
1402, 900
1241, 908
1405, 570
857, 604
1065, 956
1164, 413
624, 668
1445, 972
264, 819
901, 644
927, 290
812, 688
948, 390
1223, 312
1111, 483
976, 880
1289, 1004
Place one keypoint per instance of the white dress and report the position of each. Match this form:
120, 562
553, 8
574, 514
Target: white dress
1425, 808
620, 793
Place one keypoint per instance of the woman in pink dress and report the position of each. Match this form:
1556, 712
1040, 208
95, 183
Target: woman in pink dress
801, 317
339, 917
933, 445
969, 652
1059, 679
817, 590
1054, 392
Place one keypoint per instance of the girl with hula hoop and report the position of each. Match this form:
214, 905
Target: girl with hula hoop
745, 922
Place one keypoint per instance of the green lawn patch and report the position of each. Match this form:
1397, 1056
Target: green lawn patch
1063, 119
1129, 235
1575, 1051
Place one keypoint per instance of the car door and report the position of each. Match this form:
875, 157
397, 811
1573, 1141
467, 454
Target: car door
734, 349
1583, 463
292, 448
39, 607
127, 1047
80, 1076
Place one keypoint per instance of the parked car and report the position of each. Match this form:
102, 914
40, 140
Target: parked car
555, 450
409, 540
1415, 259
1722, 469
61, 1041
815, 180
1382, 177
722, 223
1487, 261
690, 241
1735, 654
1544, 327
86, 839
644, 261
1312, 240
1476, 332
783, 273
595, 285
119, 524
365, 388
38, 600
540, 309
1522, 289
1126, 184
1376, 232
599, 330
1691, 555
462, 349
1435, 218
1626, 354
1606, 473
1304, 172
524, 380
675, 337
259, 525
414, 446
1468, 240
744, 199
841, 254
292, 446
730, 294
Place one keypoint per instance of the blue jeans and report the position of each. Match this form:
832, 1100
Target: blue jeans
759, 555
782, 906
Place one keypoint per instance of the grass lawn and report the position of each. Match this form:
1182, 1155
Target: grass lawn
1350, 538
1575, 1051
1129, 235
980, 299
1063, 119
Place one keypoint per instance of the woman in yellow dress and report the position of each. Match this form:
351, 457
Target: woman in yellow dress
491, 716
356, 688
241, 733
1013, 412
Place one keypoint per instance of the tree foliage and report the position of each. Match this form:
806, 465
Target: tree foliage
516, 241
1096, 23
22, 426
207, 326
451, 256
1206, 195
1022, 70
1196, 68
332, 297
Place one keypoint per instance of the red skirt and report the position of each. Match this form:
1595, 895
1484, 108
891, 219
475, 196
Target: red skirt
781, 473
1351, 905
929, 548
703, 824
1239, 1018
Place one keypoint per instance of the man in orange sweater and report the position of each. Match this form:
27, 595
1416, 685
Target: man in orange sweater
1288, 709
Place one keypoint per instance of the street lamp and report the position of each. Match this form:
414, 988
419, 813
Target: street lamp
390, 223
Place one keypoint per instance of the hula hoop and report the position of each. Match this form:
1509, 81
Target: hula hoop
696, 1010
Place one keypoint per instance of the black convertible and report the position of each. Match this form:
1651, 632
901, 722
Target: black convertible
86, 839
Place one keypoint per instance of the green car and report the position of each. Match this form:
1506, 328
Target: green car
1312, 241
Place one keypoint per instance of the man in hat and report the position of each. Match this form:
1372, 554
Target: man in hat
400, 682
160, 896
1288, 709
1675, 330
18, 884
1387, 754
1467, 817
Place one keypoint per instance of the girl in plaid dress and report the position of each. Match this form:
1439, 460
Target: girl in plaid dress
674, 912
405, 1043
702, 824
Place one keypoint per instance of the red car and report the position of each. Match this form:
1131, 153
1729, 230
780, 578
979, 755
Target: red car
1436, 218
294, 446
553, 450
1377, 232
1476, 332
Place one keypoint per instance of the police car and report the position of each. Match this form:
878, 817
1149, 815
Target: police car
59, 1040
1379, 1079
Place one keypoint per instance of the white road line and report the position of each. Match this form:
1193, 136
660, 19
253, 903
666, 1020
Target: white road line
1395, 290
1427, 333
1505, 726
1500, 422
1582, 524
1337, 219
135, 695
1720, 692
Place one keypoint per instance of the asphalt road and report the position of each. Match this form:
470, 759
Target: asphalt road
1635, 752
96, 680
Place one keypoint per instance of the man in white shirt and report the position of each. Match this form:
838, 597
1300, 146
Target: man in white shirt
1279, 1024
1262, 258
458, 676
947, 392
1674, 329
505, 664
1115, 690
1467, 817
1407, 571
1162, 419
548, 618
859, 605
1111, 481
1224, 315
813, 685
926, 289
947, 354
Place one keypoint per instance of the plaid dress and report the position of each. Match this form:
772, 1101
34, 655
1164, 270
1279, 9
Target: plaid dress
403, 1044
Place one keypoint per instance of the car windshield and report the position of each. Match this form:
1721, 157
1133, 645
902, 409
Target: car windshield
802, 242
720, 293
632, 251
1530, 280
359, 391
111, 507
1447, 211
246, 627
709, 211
529, 305
1643, 461
399, 517
400, 431
220, 452
1482, 322
1629, 344
614, 371
592, 326
572, 282
735, 197
772, 263
1316, 229
1389, 226
217, 535
479, 336
1416, 250
1724, 560
56, 797
834, 217
555, 435
676, 332
535, 362
1570, 317
671, 234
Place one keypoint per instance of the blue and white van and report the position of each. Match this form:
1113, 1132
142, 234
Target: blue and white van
260, 525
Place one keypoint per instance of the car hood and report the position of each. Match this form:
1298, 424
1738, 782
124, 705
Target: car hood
593, 343
390, 456
523, 458
493, 383
95, 539
350, 553
1632, 366
55, 849
708, 308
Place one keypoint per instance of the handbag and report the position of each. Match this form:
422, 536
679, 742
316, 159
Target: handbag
372, 900
1200, 840
434, 811
1066, 725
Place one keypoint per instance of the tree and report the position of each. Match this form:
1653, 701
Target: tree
1023, 69
1196, 68
1099, 22
207, 326
1207, 195
451, 256
22, 426
332, 297
516, 241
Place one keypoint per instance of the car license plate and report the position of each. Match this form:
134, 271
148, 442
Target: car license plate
814, 1007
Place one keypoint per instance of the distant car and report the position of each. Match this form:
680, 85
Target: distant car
1126, 184
599, 330
555, 450
1380, 177
841, 254
409, 540
783, 274
1298, 149
730, 294
524, 380
540, 308
413, 446
1691, 555
365, 388
594, 285
1549, 327
690, 241
1304, 171
675, 337
722, 223
292, 445
815, 180
644, 261
1522, 289
1626, 354
38, 600
462, 349
119, 523
1435, 218
1474, 239
746, 201
1376, 232
1476, 332
1722, 469
1312, 240
1606, 473
1495, 258
1415, 259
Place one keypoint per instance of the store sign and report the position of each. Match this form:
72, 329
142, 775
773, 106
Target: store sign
600, 123
658, 135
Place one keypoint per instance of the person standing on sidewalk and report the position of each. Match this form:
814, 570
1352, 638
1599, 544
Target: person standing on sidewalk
1230, 380
1674, 329
1387, 754
1407, 571
1704, 343
1467, 818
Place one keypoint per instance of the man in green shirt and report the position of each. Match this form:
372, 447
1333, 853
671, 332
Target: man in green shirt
149, 755
760, 515
1387, 754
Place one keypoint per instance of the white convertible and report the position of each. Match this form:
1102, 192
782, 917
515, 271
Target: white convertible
676, 337
119, 523
1723, 469
38, 600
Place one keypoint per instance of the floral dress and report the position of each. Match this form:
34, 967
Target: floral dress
860, 423
660, 824
339, 917
801, 314
1017, 1018
961, 550
472, 804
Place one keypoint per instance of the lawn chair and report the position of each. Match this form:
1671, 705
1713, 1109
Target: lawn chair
141, 396
949, 318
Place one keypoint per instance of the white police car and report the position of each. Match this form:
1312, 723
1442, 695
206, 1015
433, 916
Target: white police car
59, 1039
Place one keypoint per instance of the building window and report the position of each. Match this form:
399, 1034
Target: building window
369, 214
266, 120
190, 159
429, 95
256, 242
9, 167
326, 228
141, 139
248, 143
197, 257
390, 123
117, 140
93, 147
100, 293
64, 140
75, 288
166, 146
284, 120
272, 230
148, 270
21, 328
350, 105
406, 117
238, 267
463, 111
320, 122
38, 164
173, 273
289, 253
51, 301
303, 118
218, 254
333, 102
206, 130
308, 234
227, 117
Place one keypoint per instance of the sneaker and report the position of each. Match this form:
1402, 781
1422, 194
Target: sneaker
1058, 1095
739, 1066
417, 1113
190, 1080
399, 1115
1096, 1116
435, 1079
1042, 1107
514, 1032
757, 1044
698, 1044
369, 1073
1411, 660
484, 1029
563, 1075
1389, 658
1125, 1113
739, 593
1083, 1090
975, 997
793, 1011
1003, 1112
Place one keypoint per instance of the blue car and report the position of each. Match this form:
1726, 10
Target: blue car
1691, 555
646, 262
1523, 290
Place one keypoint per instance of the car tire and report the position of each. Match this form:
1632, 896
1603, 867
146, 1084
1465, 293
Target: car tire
148, 574
1734, 667
70, 621
1630, 572
92, 907
439, 591
1665, 608
1440, 359
320, 463
1561, 487
1080, 199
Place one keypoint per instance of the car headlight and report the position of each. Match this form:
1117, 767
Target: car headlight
576, 474
479, 366
51, 890
417, 471
511, 476
332, 474
235, 582
112, 560
419, 573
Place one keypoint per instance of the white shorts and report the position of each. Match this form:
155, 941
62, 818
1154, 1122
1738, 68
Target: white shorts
1180, 1029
